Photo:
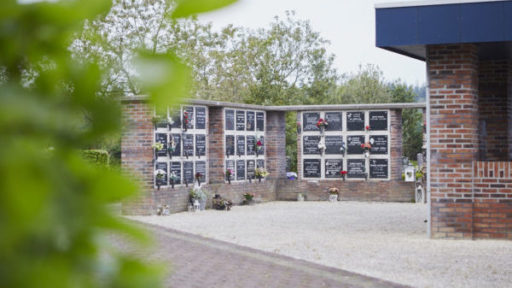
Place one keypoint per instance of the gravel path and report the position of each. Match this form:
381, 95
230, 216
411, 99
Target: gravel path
382, 240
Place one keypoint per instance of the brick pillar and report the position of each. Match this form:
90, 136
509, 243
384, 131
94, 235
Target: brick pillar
509, 108
396, 144
275, 143
453, 87
492, 104
216, 145
137, 154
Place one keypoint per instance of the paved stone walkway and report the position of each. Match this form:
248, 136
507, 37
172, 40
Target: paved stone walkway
195, 261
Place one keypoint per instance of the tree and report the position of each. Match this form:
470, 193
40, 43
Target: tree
53, 205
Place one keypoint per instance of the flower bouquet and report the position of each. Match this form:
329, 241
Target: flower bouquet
343, 174
171, 148
366, 147
343, 147
368, 128
157, 147
321, 146
229, 173
258, 147
321, 124
173, 179
260, 173
185, 121
159, 178
198, 176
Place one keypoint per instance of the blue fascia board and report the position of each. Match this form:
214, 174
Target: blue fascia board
444, 24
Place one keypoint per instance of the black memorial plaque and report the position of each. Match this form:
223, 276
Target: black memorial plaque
356, 168
162, 166
176, 119
379, 144
200, 145
188, 172
355, 121
176, 168
161, 138
201, 168
177, 141
379, 120
333, 168
333, 144
310, 145
230, 164
230, 120
188, 145
240, 169
354, 144
260, 121
309, 121
230, 145
251, 168
379, 168
260, 163
240, 145
200, 118
190, 111
334, 121
312, 168
240, 120
251, 142
250, 121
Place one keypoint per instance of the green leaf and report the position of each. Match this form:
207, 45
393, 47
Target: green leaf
186, 8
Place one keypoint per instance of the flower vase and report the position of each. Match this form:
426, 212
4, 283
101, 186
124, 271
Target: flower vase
259, 179
321, 129
333, 197
343, 176
172, 183
228, 178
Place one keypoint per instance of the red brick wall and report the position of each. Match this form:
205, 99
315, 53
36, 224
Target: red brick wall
492, 211
216, 145
453, 87
492, 103
137, 154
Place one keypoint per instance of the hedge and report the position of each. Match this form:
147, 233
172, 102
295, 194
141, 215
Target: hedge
99, 157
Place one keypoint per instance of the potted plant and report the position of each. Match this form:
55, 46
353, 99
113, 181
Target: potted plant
248, 199
159, 178
343, 174
321, 124
198, 196
260, 173
333, 194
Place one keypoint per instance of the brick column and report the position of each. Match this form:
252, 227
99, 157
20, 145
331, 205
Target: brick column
137, 154
453, 86
396, 144
216, 145
275, 143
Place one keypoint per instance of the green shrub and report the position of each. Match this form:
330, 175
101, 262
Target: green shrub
98, 157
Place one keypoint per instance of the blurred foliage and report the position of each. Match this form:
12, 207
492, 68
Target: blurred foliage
97, 157
53, 203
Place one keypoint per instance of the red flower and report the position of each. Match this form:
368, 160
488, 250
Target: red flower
367, 127
259, 143
343, 172
362, 145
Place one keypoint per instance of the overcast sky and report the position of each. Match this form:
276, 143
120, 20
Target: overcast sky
348, 24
